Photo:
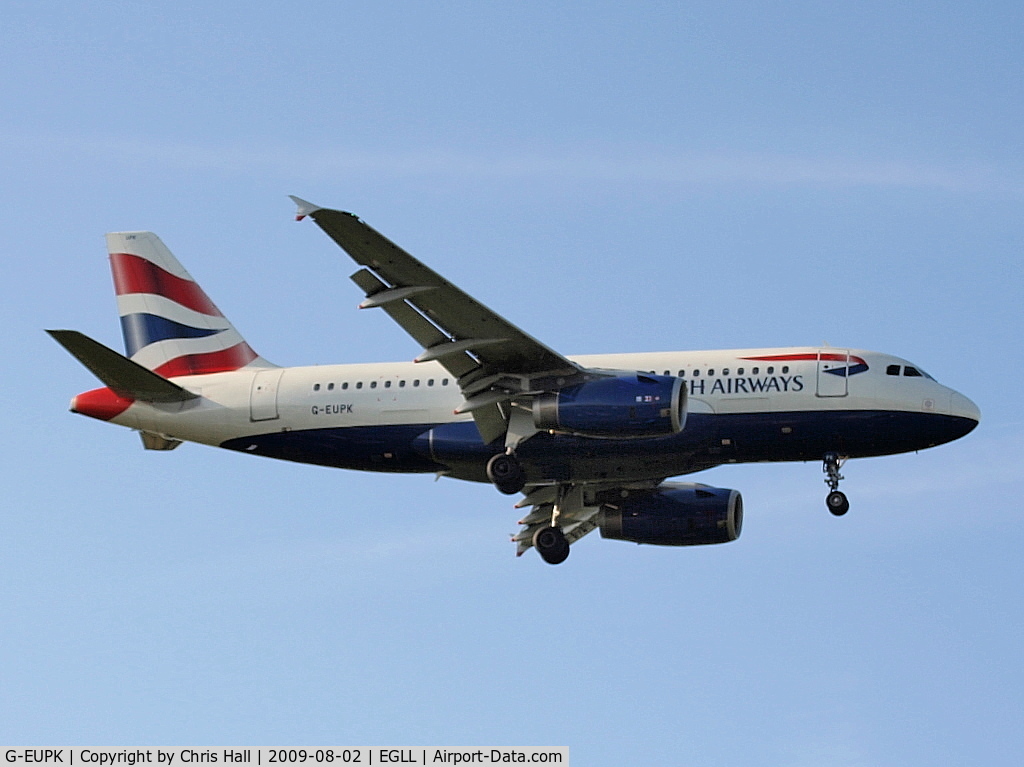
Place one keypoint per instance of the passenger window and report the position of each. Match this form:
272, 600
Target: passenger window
316, 387
785, 369
755, 371
892, 370
387, 384
711, 372
725, 371
430, 382
444, 382
359, 384
682, 374
912, 372
373, 384
401, 384
771, 370
696, 374
739, 371
344, 385
330, 387
668, 372
416, 382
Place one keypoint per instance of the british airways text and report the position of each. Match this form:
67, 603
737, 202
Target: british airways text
746, 385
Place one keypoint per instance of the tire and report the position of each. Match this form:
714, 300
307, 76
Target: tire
837, 503
506, 473
551, 545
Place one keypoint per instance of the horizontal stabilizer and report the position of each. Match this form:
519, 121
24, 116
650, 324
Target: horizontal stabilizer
125, 378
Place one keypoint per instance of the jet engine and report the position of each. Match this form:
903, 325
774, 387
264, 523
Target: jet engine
676, 514
625, 406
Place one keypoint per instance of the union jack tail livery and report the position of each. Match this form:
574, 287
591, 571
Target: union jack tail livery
170, 325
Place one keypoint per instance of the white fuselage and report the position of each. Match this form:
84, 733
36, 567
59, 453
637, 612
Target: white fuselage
753, 383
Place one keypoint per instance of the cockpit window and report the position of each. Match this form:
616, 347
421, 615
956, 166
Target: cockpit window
909, 371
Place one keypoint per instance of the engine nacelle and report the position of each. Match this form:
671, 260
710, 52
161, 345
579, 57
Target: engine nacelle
626, 406
676, 514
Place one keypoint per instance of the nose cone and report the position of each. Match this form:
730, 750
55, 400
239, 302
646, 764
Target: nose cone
964, 416
961, 407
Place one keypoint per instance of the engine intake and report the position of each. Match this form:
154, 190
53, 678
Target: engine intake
676, 514
625, 406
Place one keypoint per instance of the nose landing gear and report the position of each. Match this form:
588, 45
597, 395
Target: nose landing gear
836, 500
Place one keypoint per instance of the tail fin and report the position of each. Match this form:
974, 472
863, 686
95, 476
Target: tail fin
170, 325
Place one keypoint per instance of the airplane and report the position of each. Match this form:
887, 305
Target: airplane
590, 441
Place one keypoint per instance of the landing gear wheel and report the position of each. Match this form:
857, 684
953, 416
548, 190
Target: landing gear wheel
551, 545
506, 473
837, 503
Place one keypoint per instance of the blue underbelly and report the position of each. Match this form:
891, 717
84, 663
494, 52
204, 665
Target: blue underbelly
708, 440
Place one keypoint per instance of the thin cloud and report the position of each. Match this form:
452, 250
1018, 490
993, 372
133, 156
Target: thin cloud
620, 165
984, 461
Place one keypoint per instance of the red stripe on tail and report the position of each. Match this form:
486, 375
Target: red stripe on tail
133, 274
236, 357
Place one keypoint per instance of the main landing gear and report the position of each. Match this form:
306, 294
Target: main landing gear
836, 500
506, 473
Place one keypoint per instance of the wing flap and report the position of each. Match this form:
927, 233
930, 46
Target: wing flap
423, 331
490, 422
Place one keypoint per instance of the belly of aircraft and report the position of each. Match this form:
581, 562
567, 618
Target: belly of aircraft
706, 441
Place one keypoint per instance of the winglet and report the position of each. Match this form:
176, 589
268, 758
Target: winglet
304, 208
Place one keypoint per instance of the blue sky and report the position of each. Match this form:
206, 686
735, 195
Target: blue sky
612, 178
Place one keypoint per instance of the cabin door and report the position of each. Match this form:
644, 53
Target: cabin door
263, 395
833, 369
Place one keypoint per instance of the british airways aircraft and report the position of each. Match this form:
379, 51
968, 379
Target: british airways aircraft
590, 441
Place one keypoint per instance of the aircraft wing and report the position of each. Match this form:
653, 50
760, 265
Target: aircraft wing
577, 507
491, 358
